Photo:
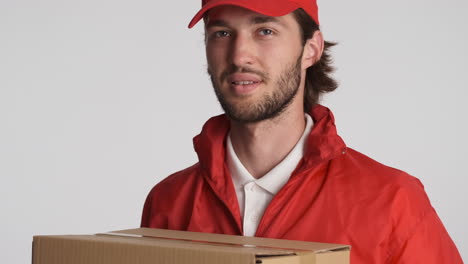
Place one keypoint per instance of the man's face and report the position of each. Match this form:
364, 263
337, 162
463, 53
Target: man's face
254, 62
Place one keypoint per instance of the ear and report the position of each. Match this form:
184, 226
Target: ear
313, 50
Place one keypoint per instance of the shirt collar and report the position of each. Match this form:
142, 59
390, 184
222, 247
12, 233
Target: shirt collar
275, 179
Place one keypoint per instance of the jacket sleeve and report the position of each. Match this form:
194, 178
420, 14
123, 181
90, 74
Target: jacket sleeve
428, 243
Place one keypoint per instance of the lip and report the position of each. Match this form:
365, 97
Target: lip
239, 77
253, 81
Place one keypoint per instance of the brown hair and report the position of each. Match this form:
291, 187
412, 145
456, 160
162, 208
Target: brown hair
318, 79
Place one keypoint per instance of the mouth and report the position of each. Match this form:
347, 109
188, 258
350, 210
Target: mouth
244, 87
243, 84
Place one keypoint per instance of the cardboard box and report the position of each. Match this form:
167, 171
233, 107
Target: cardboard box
145, 246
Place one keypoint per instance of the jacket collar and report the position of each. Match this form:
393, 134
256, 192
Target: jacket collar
323, 143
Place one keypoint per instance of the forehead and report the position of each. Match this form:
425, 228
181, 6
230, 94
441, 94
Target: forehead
237, 15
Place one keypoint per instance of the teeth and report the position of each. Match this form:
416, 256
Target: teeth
244, 82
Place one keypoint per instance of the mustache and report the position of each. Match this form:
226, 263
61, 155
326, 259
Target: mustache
235, 69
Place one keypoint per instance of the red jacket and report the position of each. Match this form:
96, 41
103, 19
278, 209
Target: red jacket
335, 195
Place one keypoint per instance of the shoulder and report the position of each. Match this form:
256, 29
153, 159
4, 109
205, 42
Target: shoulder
170, 195
361, 169
391, 205
176, 182
374, 187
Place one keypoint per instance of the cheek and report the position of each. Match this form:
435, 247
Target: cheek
275, 61
214, 58
279, 54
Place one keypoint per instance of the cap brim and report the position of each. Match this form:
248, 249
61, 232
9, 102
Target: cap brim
257, 6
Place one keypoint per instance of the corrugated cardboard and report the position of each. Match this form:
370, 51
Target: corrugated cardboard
154, 246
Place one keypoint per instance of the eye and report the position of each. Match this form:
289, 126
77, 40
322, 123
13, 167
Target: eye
266, 32
221, 34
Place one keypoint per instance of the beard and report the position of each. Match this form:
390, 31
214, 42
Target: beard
269, 106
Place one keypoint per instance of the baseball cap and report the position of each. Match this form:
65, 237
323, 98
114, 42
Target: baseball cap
265, 7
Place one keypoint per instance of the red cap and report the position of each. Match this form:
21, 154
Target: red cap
265, 7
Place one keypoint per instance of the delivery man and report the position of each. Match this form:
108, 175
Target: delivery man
273, 165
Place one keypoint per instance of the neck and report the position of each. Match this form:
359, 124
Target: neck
262, 145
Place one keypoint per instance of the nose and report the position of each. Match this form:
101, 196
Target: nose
242, 51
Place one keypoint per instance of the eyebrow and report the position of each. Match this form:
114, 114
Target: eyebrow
216, 23
265, 19
254, 21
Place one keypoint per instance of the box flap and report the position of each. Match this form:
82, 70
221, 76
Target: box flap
234, 240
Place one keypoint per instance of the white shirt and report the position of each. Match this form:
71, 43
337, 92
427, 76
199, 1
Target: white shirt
254, 195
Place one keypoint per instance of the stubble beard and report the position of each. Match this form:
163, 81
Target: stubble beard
270, 105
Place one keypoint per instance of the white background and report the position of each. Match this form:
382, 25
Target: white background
99, 100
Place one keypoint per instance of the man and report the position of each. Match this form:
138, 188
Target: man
273, 165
